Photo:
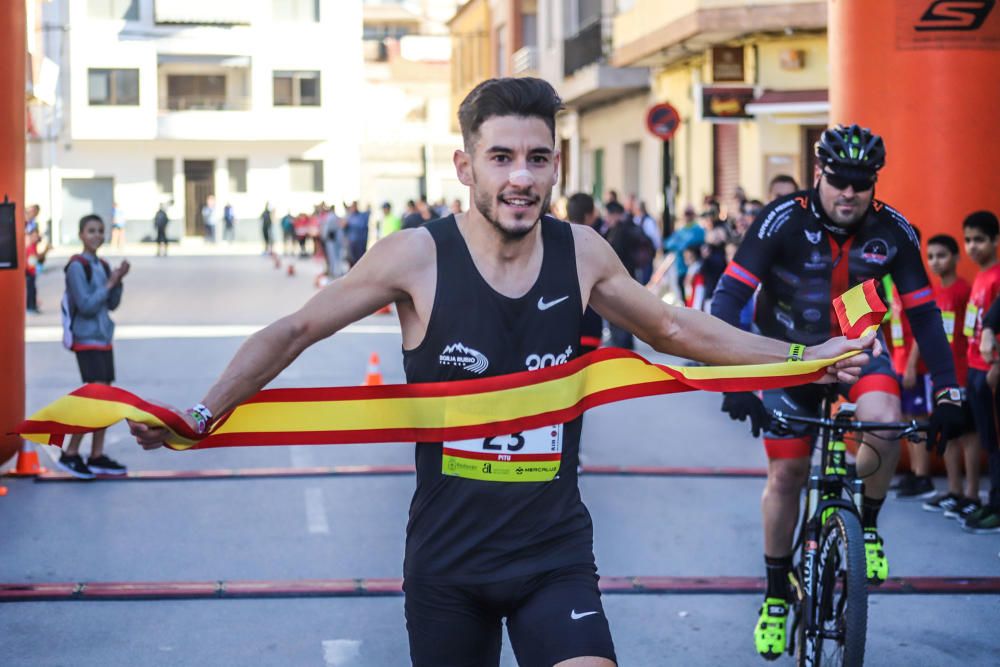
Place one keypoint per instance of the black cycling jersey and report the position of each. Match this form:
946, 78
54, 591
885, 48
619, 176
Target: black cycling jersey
509, 506
801, 260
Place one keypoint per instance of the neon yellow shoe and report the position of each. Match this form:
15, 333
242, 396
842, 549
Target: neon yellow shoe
877, 564
769, 635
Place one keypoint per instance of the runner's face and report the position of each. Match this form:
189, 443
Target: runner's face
511, 171
979, 247
92, 236
845, 206
940, 260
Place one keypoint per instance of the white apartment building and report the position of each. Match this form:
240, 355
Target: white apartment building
408, 138
168, 101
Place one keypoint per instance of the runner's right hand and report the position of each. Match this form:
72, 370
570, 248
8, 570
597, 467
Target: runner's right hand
745, 405
154, 437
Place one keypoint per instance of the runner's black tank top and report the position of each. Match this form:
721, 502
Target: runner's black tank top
465, 526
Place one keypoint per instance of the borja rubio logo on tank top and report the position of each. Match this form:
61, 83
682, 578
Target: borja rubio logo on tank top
471, 360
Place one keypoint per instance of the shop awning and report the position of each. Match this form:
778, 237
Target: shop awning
790, 102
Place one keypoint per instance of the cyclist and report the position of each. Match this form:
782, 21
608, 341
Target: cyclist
802, 250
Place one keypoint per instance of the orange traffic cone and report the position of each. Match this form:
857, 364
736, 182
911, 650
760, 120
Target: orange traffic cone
291, 269
3, 491
384, 310
277, 260
27, 461
373, 376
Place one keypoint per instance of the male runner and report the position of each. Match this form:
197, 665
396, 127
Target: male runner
499, 289
802, 250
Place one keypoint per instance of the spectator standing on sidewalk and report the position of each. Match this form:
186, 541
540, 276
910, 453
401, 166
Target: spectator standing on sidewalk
93, 289
627, 240
981, 231
390, 221
117, 226
160, 222
208, 218
266, 229
333, 243
691, 234
952, 296
229, 223
33, 258
288, 234
580, 210
781, 185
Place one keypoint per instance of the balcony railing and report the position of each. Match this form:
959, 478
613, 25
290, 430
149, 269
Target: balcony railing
206, 103
525, 60
584, 48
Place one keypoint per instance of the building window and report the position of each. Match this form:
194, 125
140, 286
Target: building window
113, 87
302, 11
113, 9
296, 89
305, 175
165, 175
237, 174
196, 91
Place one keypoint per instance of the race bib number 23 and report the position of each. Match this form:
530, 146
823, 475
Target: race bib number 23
528, 456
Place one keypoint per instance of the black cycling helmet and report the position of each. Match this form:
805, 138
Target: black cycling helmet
851, 148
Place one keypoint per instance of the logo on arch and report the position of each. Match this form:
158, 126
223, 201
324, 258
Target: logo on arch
954, 15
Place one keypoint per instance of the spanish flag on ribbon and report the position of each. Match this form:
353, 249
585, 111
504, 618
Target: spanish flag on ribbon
429, 412
860, 310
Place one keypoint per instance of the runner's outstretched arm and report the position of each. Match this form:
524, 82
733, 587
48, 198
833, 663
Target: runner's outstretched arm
686, 332
379, 278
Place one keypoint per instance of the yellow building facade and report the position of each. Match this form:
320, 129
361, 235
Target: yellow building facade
749, 80
472, 51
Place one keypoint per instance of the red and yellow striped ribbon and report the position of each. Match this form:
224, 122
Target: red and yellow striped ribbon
429, 412
416, 412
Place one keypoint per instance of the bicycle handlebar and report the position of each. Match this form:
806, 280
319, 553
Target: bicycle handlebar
905, 428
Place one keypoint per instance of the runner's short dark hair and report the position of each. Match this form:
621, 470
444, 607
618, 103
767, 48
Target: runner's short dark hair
579, 206
527, 97
945, 241
984, 221
90, 217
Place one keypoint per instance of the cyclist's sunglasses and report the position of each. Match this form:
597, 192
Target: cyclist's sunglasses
858, 184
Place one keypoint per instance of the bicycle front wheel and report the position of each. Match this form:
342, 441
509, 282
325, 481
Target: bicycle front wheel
841, 596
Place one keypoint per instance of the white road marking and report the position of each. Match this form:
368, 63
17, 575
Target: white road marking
337, 652
315, 514
51, 334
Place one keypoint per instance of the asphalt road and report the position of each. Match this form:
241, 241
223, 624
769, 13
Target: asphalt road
352, 527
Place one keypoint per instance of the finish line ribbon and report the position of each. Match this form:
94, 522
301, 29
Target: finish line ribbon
426, 412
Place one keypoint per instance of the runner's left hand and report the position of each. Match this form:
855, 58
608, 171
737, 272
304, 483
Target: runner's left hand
846, 370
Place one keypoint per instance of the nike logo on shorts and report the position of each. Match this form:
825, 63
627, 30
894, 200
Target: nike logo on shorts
576, 617
543, 305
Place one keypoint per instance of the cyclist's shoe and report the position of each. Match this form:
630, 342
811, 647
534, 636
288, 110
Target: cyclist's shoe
945, 502
769, 635
877, 564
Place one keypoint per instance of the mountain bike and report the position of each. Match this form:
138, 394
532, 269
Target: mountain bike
830, 595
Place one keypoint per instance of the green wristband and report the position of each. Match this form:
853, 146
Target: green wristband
796, 352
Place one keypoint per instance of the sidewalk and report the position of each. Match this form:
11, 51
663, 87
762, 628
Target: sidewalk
189, 246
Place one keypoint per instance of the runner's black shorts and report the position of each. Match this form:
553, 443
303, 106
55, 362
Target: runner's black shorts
96, 366
551, 617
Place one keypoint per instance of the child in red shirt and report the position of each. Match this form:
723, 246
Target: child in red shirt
952, 295
981, 230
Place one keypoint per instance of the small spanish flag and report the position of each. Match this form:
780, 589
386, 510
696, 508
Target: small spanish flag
860, 310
